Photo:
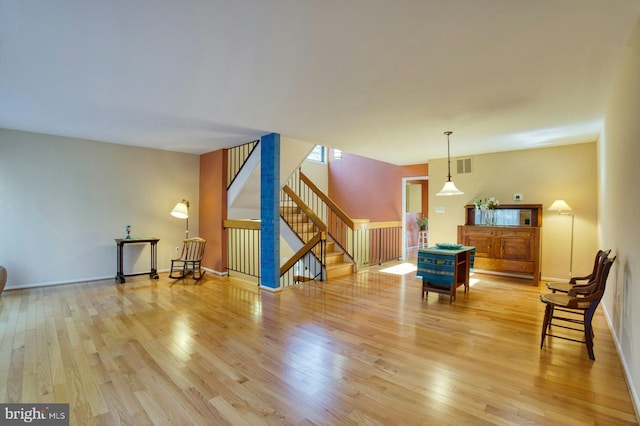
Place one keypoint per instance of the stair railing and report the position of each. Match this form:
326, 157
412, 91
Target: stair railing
366, 243
308, 262
305, 265
383, 242
340, 227
243, 246
236, 159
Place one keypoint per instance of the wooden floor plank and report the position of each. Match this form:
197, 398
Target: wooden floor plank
365, 349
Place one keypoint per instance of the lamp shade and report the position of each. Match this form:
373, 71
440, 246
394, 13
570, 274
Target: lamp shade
560, 206
449, 188
181, 210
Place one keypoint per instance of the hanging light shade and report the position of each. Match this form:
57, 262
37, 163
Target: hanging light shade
449, 187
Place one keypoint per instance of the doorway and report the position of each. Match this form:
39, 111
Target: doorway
415, 204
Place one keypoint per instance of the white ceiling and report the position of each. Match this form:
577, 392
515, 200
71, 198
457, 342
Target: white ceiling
379, 78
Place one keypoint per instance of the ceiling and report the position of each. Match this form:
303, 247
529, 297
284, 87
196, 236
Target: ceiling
379, 78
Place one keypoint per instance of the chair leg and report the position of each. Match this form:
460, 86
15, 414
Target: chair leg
588, 332
171, 272
200, 273
546, 323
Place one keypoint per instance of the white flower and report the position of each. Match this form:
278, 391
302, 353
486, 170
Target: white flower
488, 203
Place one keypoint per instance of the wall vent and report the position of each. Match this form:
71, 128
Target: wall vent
464, 165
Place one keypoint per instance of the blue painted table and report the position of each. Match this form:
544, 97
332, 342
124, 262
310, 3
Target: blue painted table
443, 270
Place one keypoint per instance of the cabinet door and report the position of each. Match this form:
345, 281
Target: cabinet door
515, 248
481, 242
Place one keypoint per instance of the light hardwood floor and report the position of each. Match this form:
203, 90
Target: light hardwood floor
359, 350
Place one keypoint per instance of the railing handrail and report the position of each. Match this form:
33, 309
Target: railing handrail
241, 223
328, 201
380, 225
305, 209
308, 247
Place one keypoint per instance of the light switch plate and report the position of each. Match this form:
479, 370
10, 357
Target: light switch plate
440, 209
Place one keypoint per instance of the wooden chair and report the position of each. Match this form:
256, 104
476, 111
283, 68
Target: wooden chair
564, 287
189, 260
582, 301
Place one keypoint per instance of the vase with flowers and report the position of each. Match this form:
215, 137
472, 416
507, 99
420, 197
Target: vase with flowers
422, 223
486, 207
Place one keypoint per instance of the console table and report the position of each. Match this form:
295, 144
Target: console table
120, 242
443, 270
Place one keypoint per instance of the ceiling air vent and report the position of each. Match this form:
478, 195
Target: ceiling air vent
464, 165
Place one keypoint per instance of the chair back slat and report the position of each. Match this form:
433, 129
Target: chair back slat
600, 257
193, 249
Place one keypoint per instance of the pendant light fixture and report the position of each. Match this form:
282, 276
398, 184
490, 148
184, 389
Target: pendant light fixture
449, 187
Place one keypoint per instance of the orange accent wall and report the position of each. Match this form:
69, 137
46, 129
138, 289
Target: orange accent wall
370, 189
213, 208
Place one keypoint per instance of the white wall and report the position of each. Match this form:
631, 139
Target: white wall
541, 175
619, 210
318, 173
64, 201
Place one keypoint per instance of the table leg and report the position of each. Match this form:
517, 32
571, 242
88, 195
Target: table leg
119, 273
154, 260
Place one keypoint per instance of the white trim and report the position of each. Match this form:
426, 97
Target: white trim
627, 372
54, 283
270, 289
90, 279
213, 271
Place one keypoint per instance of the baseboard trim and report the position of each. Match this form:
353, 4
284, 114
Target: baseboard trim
627, 373
213, 271
91, 279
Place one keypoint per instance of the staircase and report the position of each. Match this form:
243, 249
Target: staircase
326, 242
335, 265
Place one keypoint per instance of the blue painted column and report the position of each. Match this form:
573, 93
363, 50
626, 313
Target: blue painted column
270, 210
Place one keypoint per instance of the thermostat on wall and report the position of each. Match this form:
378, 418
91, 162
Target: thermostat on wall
517, 197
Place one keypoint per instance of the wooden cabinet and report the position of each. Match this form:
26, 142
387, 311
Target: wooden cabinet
509, 250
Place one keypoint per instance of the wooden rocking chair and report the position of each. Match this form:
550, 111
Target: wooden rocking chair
189, 260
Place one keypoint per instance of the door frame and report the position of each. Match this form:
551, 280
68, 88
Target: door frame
405, 181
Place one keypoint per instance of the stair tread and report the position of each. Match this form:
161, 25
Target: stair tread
334, 253
339, 265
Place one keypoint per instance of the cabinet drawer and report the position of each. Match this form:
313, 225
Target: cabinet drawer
504, 265
516, 233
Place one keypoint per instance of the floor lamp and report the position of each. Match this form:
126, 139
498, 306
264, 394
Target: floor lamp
181, 211
563, 208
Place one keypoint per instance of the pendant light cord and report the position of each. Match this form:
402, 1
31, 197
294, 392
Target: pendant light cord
448, 156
